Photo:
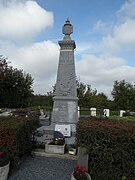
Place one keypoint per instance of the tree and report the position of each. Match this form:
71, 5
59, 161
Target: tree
81, 89
100, 101
43, 101
89, 97
15, 86
124, 95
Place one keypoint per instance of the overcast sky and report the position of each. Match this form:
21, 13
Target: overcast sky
104, 32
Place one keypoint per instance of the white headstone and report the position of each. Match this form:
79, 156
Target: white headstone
93, 111
65, 129
121, 113
106, 112
6, 113
78, 111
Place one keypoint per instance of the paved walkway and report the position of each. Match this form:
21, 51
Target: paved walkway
44, 168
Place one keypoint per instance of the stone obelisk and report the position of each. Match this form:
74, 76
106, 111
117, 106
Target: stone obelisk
65, 108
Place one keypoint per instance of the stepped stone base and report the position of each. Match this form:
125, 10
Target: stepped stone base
51, 128
44, 122
41, 152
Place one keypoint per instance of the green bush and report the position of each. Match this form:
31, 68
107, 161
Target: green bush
16, 137
111, 147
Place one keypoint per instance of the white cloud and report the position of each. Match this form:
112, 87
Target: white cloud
38, 59
128, 9
101, 72
83, 48
108, 63
122, 37
101, 27
124, 33
23, 20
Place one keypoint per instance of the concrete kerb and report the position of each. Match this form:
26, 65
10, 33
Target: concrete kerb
41, 152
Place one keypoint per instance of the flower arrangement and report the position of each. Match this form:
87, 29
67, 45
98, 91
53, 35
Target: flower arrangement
58, 138
80, 173
4, 160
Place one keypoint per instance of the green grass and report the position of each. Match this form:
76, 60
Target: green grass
127, 118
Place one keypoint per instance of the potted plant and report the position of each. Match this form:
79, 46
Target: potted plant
57, 144
80, 174
4, 166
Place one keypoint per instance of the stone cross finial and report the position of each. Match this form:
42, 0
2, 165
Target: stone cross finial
67, 29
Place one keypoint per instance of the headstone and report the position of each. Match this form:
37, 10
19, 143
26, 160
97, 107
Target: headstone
121, 112
83, 157
65, 107
78, 111
6, 113
93, 111
106, 112
44, 118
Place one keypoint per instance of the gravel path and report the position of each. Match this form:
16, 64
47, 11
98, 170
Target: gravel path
44, 168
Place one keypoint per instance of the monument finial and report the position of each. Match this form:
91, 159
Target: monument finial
67, 21
67, 29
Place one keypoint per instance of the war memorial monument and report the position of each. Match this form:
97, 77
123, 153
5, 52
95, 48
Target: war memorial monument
65, 108
65, 100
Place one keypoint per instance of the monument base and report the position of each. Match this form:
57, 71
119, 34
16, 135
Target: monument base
48, 131
65, 110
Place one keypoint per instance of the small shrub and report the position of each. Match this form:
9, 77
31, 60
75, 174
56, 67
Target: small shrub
16, 137
111, 147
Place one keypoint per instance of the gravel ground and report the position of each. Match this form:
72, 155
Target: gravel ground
44, 168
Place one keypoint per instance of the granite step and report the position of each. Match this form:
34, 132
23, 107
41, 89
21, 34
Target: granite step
41, 152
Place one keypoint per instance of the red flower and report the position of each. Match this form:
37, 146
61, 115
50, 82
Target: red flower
1, 153
83, 170
79, 172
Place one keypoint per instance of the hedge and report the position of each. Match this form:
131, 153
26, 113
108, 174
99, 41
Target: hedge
16, 137
111, 148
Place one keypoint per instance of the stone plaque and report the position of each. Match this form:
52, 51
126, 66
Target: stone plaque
64, 129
